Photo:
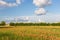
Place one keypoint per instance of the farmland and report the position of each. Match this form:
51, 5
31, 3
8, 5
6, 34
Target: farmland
30, 33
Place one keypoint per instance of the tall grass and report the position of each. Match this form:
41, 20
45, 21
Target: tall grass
30, 33
6, 36
11, 36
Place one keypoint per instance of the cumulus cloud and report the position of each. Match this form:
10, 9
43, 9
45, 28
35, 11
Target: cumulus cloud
7, 4
26, 18
18, 19
18, 1
40, 11
3, 3
41, 3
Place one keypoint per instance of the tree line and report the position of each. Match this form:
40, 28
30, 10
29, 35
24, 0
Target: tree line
34, 24
3, 23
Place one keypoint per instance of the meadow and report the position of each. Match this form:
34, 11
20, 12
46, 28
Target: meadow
30, 33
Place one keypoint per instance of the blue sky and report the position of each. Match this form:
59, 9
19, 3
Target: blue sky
27, 8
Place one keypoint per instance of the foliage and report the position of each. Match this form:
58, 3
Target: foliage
34, 24
12, 24
2, 23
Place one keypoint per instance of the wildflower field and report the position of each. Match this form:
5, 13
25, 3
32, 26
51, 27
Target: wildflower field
30, 33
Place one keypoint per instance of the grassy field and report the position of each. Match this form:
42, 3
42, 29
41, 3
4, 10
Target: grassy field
30, 33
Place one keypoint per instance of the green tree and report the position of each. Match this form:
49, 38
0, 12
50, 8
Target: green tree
3, 23
12, 24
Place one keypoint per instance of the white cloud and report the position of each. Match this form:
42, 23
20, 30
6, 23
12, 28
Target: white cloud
18, 19
3, 3
7, 4
50, 17
40, 11
26, 18
41, 3
18, 1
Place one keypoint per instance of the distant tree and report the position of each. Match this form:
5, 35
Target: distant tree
3, 23
12, 24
